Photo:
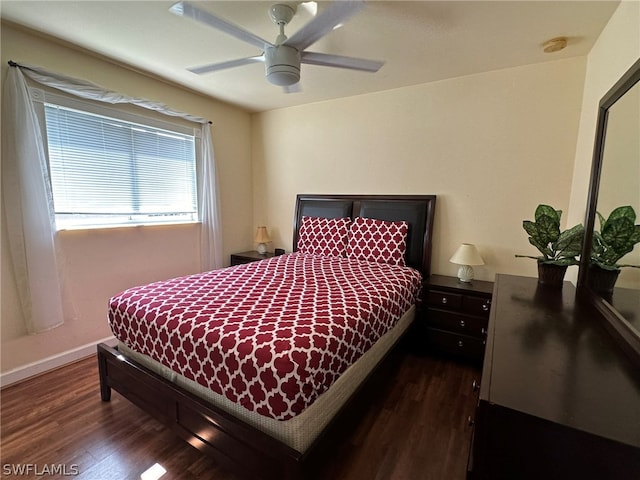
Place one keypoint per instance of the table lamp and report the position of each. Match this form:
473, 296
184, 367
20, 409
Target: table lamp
262, 238
466, 255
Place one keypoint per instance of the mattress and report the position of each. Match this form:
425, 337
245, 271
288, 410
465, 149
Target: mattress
271, 335
300, 431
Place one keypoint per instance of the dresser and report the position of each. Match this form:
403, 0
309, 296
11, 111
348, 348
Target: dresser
558, 398
453, 316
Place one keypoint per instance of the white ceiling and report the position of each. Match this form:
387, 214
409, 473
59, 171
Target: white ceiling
421, 41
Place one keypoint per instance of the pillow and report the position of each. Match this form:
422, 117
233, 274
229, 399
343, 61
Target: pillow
323, 236
378, 241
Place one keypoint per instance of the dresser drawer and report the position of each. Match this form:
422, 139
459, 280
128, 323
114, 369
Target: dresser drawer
476, 305
462, 346
444, 299
456, 322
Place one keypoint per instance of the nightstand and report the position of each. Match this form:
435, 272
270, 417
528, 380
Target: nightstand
248, 257
453, 316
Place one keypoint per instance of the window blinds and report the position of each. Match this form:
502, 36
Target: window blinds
112, 171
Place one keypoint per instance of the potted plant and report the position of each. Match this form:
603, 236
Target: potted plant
617, 236
558, 249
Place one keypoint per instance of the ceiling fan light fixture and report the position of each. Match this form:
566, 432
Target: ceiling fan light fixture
283, 75
282, 65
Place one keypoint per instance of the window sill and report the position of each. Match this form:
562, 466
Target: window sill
125, 225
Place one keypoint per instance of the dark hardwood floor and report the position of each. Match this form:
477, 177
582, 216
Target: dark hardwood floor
413, 426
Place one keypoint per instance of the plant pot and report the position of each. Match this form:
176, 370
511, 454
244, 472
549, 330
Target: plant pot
601, 280
551, 275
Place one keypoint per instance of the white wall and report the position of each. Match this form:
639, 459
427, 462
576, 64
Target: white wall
100, 263
491, 146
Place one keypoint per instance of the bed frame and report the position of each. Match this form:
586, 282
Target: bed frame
233, 443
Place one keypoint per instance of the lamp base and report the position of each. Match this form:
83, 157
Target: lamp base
465, 273
262, 248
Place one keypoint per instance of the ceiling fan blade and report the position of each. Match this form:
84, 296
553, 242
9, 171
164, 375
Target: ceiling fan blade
213, 67
338, 12
327, 60
188, 9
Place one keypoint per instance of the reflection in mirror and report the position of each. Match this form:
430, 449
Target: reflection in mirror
620, 173
615, 182
620, 185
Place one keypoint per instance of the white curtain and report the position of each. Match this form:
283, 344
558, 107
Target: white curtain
28, 203
211, 236
28, 209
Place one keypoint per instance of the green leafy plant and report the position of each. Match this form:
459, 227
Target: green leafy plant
617, 236
556, 247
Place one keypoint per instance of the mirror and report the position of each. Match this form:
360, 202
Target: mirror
615, 182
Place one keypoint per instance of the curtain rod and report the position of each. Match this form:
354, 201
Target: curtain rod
17, 65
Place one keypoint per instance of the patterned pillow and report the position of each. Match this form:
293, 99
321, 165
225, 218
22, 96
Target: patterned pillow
323, 236
378, 241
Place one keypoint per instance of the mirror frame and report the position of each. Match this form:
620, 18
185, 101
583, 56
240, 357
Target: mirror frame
618, 326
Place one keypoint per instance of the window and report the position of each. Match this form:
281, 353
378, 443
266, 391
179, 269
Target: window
111, 168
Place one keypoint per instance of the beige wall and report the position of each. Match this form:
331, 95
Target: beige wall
617, 48
100, 263
490, 146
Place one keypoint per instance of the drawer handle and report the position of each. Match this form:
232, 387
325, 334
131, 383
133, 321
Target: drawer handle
475, 386
484, 331
462, 324
471, 421
460, 344
444, 300
485, 307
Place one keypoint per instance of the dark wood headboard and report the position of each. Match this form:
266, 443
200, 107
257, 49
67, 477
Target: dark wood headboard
417, 210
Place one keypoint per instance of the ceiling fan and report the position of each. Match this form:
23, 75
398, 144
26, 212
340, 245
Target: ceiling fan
283, 57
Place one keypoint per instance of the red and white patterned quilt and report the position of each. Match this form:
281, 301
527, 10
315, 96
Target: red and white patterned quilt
270, 335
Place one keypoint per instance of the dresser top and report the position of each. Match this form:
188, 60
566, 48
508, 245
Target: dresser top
551, 358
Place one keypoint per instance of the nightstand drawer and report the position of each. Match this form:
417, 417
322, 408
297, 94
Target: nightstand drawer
248, 257
444, 299
459, 345
476, 305
237, 260
456, 322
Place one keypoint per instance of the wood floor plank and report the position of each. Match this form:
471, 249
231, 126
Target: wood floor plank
413, 426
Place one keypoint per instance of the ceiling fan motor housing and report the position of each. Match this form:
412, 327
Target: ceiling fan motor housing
282, 64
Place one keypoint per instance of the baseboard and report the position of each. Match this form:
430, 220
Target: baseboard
36, 368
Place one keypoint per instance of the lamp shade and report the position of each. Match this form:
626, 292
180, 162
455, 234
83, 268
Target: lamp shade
262, 236
467, 254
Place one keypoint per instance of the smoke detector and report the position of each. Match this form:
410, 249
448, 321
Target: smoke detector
555, 44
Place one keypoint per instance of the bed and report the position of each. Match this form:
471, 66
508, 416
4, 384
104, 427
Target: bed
272, 416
